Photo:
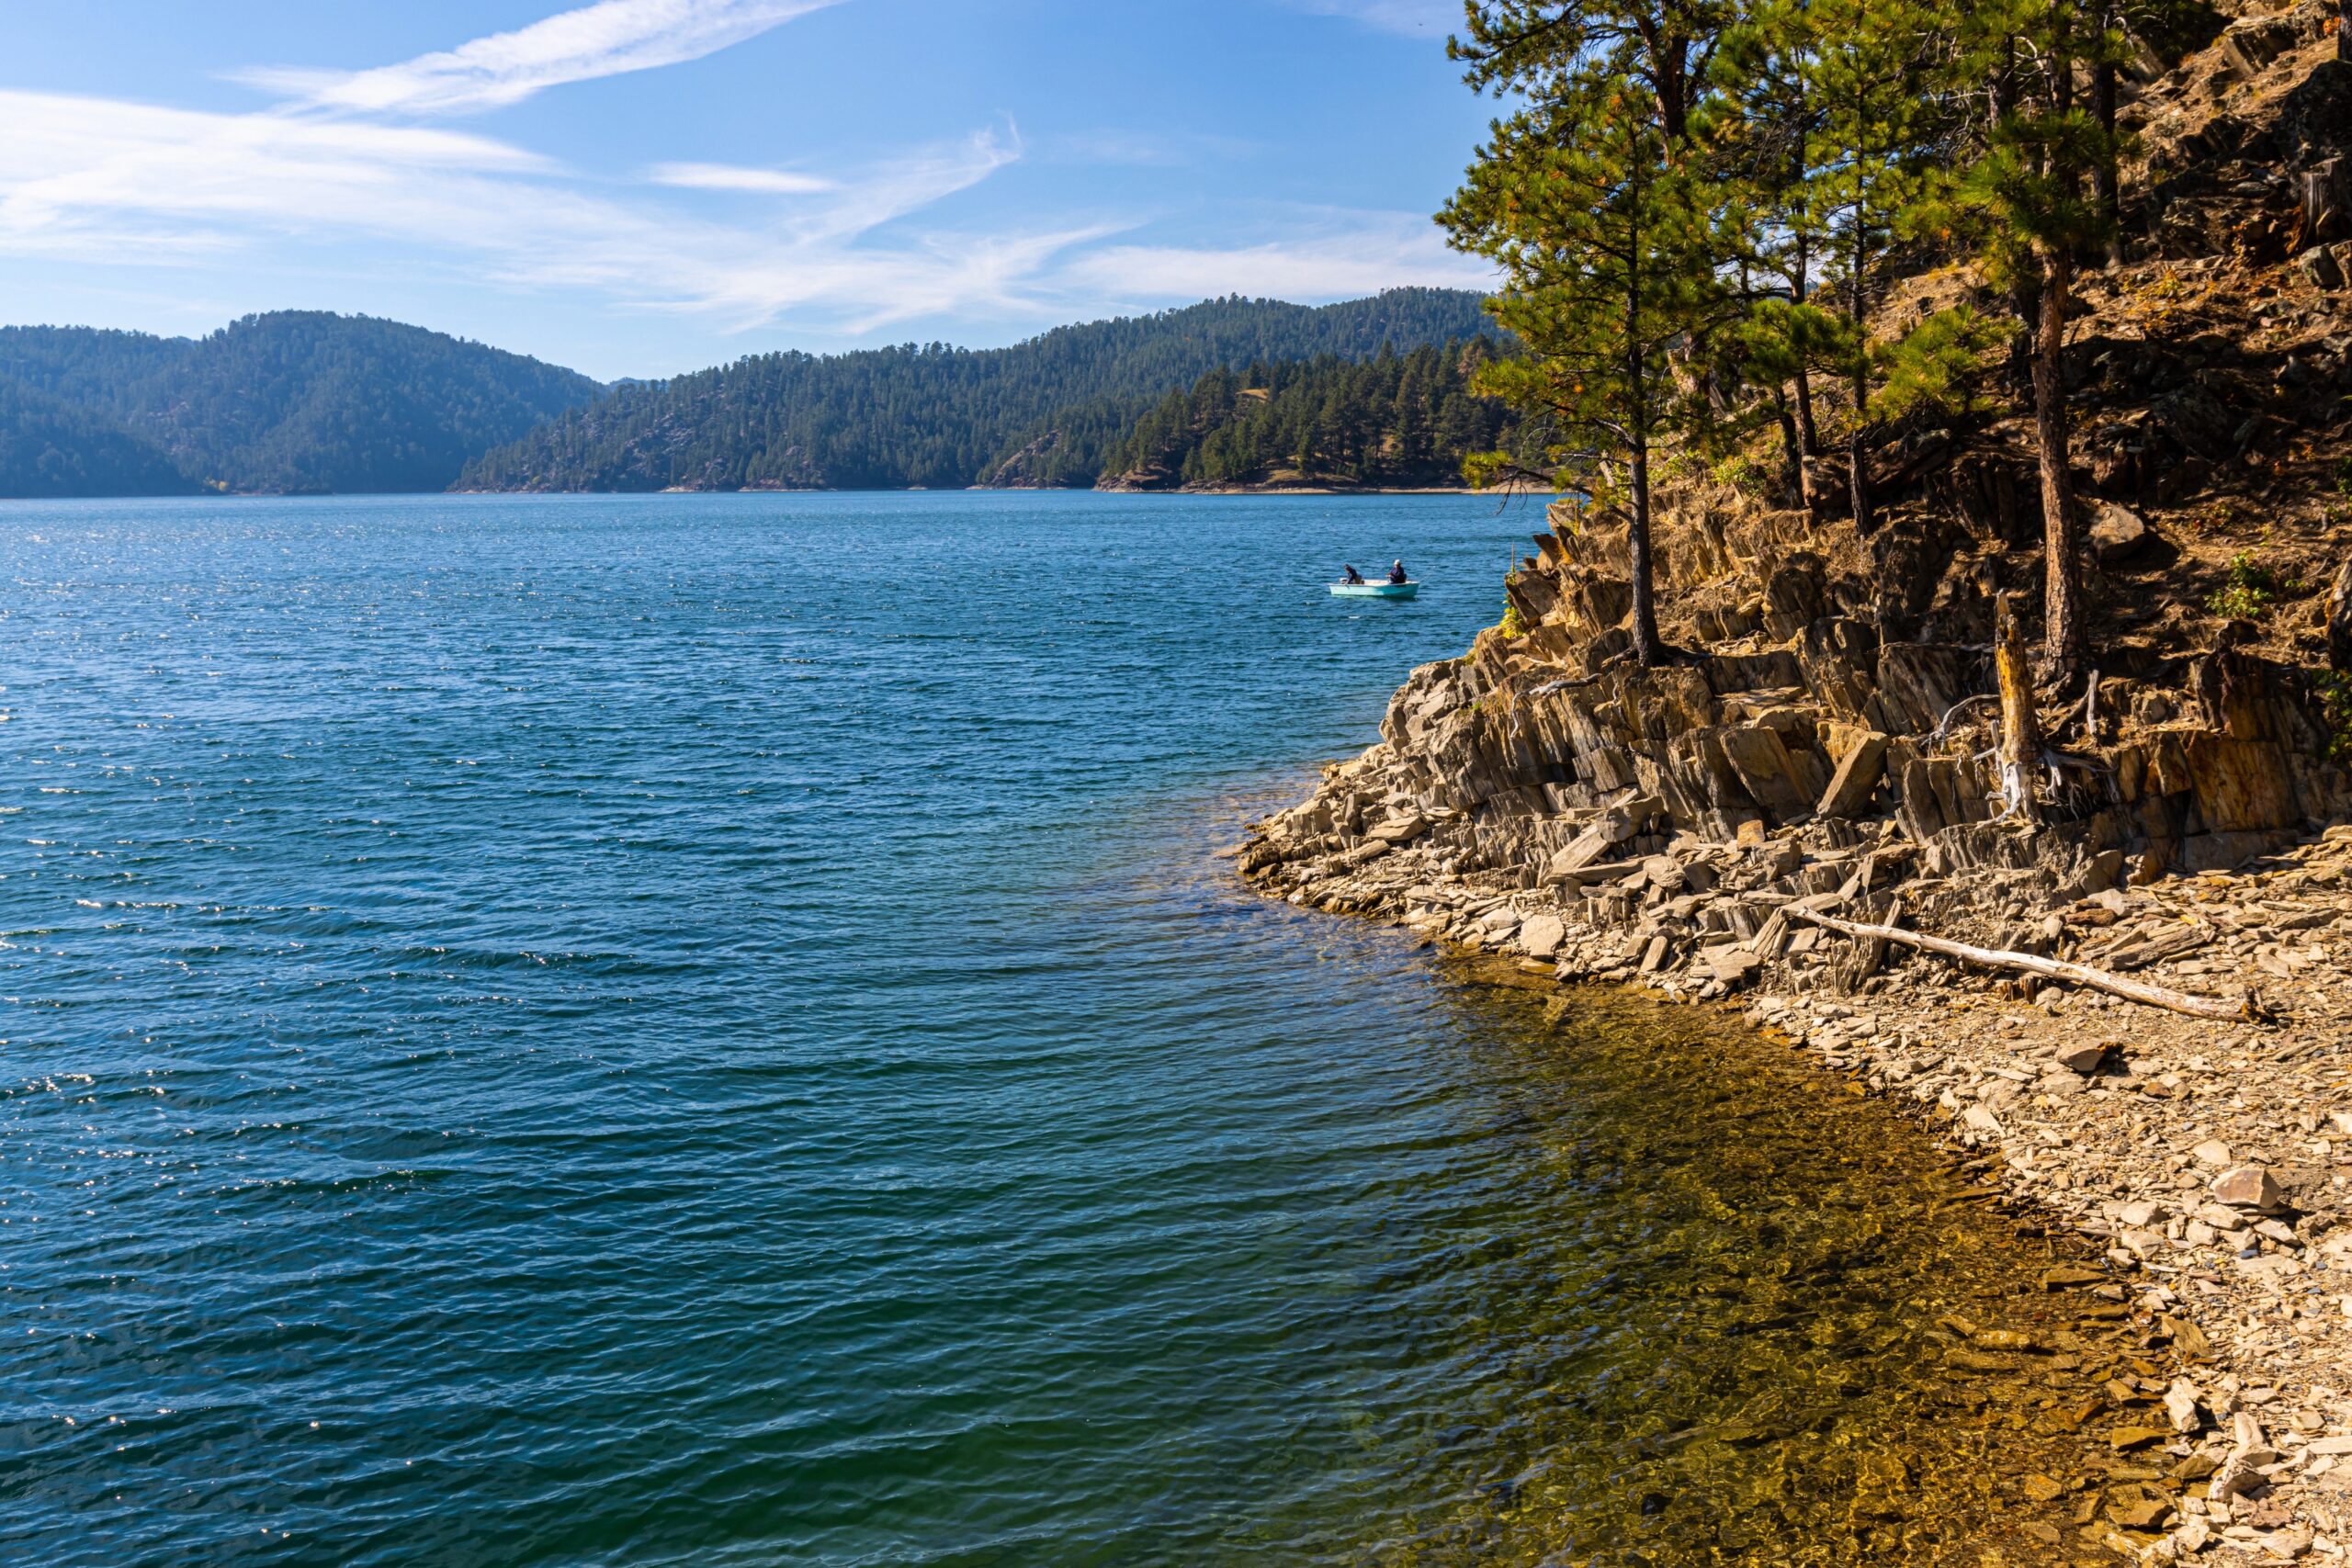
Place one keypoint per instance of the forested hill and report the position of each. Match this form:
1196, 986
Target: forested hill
1041, 413
1397, 420
49, 448
292, 401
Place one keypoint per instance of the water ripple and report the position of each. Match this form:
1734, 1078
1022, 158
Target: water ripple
706, 1031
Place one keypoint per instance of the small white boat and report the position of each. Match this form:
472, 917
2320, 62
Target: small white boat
1382, 589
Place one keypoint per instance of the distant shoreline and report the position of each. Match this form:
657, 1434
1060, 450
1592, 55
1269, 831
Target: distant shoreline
1307, 489
1022, 489
900, 490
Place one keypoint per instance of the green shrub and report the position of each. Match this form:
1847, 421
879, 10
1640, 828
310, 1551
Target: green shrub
2335, 708
1743, 473
1933, 367
2248, 590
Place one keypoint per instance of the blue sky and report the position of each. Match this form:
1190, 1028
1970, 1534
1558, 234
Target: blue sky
644, 187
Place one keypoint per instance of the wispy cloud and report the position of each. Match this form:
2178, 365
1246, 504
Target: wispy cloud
850, 250
732, 176
605, 40
1414, 18
94, 173
1135, 149
1333, 256
108, 180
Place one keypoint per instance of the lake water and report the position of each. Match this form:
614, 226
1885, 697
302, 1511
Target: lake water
708, 1030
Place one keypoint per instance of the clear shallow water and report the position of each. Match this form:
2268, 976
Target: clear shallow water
706, 1030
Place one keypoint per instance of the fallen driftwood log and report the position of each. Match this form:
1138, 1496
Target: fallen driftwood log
2034, 963
1586, 875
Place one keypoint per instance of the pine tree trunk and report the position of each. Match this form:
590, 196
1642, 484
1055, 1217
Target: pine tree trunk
1637, 531
1637, 548
1792, 454
2105, 178
2061, 632
1859, 474
2339, 622
1858, 482
1808, 437
1808, 441
1672, 82
2025, 300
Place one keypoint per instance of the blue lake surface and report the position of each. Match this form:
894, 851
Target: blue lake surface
708, 1030
689, 1028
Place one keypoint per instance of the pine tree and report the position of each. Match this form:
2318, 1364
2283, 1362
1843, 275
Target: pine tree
2107, 175
2027, 191
1604, 231
1868, 156
1768, 114
1666, 46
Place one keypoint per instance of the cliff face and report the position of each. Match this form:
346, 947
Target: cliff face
1832, 717
1665, 816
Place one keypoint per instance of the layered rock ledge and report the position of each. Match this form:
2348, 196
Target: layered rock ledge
1542, 799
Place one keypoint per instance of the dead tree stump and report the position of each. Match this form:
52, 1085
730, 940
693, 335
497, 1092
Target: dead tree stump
2020, 724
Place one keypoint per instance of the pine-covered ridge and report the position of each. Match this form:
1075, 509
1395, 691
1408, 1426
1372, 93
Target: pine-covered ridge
1397, 421
52, 449
1045, 412
1866, 258
294, 401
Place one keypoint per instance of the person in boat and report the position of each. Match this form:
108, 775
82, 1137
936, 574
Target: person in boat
1353, 576
1396, 571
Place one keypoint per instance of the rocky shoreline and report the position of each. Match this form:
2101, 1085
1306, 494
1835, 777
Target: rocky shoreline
1773, 816
1544, 801
2208, 1164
